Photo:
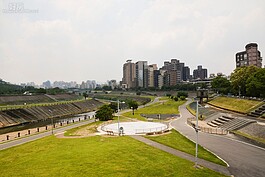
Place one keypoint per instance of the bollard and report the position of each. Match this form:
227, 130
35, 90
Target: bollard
46, 127
73, 121
38, 129
29, 132
67, 122
61, 124
7, 137
79, 119
18, 134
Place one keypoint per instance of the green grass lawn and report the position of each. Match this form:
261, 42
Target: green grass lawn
93, 156
168, 107
235, 104
179, 142
5, 107
90, 128
258, 139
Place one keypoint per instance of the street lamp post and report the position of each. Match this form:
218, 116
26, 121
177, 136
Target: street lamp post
196, 130
132, 110
119, 116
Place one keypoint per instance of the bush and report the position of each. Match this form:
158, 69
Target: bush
185, 94
182, 98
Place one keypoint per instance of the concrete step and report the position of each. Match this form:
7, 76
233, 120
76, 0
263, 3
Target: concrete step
228, 117
230, 123
220, 121
212, 125
224, 119
235, 125
216, 123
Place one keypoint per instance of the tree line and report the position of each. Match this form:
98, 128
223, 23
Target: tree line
244, 81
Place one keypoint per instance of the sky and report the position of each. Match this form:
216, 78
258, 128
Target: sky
91, 39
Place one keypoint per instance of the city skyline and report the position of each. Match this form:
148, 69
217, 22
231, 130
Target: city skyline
69, 41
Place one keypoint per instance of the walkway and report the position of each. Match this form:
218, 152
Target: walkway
244, 159
42, 135
202, 162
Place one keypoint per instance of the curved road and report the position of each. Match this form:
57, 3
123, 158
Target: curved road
245, 160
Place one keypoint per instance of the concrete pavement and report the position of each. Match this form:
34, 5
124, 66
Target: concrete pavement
245, 160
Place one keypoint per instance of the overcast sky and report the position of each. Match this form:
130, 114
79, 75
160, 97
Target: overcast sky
92, 39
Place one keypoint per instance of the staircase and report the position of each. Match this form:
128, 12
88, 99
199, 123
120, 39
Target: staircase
258, 112
229, 123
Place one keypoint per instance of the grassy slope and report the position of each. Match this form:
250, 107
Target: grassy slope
89, 127
179, 142
261, 140
235, 104
168, 107
93, 156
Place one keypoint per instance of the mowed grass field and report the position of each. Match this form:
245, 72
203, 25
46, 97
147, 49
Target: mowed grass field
180, 142
167, 107
235, 104
93, 156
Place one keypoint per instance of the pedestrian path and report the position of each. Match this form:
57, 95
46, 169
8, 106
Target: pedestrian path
202, 162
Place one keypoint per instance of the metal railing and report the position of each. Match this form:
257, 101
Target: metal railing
218, 131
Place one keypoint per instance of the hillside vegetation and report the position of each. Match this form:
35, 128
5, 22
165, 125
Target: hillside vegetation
235, 104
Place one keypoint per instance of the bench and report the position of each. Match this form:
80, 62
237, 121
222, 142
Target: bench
110, 132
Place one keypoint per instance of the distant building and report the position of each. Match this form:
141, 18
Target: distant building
176, 72
141, 74
200, 73
47, 84
151, 76
129, 75
113, 84
251, 56
186, 73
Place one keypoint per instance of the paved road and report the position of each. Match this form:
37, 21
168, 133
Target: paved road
44, 134
245, 160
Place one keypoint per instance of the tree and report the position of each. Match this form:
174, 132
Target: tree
240, 76
133, 105
185, 94
182, 98
221, 85
104, 113
255, 85
113, 106
85, 95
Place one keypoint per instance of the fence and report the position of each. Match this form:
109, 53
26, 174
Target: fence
210, 130
151, 130
30, 131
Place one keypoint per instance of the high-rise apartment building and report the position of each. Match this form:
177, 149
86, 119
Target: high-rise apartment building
176, 72
151, 79
129, 74
141, 68
186, 73
200, 73
251, 56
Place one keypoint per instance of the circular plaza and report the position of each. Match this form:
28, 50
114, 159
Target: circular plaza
135, 128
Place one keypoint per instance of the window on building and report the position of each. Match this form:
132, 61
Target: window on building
245, 56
